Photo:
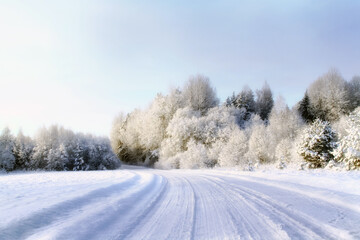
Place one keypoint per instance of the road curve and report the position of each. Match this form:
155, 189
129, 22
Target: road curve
156, 204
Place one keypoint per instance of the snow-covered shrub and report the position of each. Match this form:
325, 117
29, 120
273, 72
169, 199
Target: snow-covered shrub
348, 150
260, 151
259, 145
341, 126
233, 152
317, 143
180, 130
195, 156
283, 152
205, 131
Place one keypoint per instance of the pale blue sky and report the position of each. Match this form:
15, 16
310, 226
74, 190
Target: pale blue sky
79, 63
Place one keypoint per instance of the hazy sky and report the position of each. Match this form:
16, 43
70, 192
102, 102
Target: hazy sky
79, 63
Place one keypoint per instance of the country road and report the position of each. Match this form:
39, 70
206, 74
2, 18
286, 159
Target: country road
139, 203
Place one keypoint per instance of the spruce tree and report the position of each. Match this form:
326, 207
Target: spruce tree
317, 143
305, 110
264, 102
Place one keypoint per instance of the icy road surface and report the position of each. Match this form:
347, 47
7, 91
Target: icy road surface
180, 204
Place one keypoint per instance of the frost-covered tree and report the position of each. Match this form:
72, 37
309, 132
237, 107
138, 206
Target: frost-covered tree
283, 122
23, 148
206, 131
117, 133
59, 149
230, 101
354, 92
78, 158
136, 138
187, 128
199, 94
136, 135
259, 144
348, 150
57, 158
283, 152
341, 126
317, 143
264, 102
43, 144
329, 96
52, 160
129, 148
245, 100
234, 150
283, 126
7, 142
180, 130
195, 156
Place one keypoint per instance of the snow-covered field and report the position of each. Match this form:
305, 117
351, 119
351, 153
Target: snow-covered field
136, 203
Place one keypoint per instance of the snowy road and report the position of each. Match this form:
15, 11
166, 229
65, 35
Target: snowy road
179, 204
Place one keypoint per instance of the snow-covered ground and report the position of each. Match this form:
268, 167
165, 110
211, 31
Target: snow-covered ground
137, 203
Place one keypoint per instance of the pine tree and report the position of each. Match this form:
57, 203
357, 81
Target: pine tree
245, 100
264, 102
23, 148
79, 163
230, 101
317, 143
305, 110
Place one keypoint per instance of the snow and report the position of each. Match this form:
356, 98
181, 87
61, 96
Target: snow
141, 203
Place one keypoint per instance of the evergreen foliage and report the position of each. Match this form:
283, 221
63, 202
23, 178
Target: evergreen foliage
56, 149
318, 142
304, 109
264, 102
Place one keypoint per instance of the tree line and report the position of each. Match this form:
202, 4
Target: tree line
189, 128
55, 148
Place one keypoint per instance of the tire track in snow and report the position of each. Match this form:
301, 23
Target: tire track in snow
195, 207
337, 198
241, 222
149, 204
339, 215
182, 204
171, 217
22, 228
212, 219
117, 219
297, 224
